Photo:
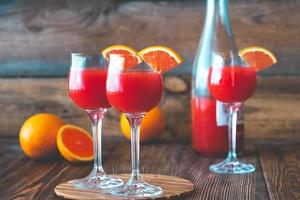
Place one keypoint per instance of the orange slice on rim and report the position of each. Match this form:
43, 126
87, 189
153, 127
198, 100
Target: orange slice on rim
257, 57
75, 144
160, 58
131, 57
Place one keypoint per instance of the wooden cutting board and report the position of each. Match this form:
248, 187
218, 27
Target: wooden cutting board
172, 186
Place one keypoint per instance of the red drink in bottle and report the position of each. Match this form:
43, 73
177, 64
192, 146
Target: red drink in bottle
209, 119
209, 128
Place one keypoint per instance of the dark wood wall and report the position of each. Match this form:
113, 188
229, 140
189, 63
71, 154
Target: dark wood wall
37, 36
272, 113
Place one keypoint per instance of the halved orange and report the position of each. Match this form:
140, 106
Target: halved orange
75, 144
131, 57
160, 58
258, 57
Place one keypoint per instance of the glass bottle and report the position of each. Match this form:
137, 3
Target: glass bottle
209, 119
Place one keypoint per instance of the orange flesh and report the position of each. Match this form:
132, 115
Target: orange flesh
258, 60
130, 61
160, 60
78, 143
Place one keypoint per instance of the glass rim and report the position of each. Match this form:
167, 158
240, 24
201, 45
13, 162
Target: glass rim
88, 53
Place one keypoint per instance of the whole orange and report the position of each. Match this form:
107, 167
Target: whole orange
38, 135
152, 126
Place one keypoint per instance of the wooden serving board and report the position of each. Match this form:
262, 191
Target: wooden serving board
172, 186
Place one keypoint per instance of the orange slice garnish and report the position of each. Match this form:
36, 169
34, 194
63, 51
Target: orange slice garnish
160, 58
131, 56
75, 144
257, 57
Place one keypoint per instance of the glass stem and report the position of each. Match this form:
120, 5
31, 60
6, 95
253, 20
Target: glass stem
135, 121
96, 117
232, 124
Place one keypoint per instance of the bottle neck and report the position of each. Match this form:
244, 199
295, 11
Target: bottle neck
217, 41
218, 21
217, 12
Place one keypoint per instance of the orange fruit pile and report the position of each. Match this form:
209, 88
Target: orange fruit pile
258, 58
153, 125
43, 134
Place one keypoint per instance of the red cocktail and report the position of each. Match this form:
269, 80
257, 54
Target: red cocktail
231, 85
136, 92
134, 87
87, 88
133, 90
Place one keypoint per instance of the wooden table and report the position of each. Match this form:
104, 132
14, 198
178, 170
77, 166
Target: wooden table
277, 173
272, 124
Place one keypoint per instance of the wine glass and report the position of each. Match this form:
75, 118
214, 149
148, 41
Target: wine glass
133, 90
232, 82
87, 89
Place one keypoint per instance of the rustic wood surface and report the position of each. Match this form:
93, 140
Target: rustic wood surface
38, 36
276, 177
277, 158
273, 112
173, 187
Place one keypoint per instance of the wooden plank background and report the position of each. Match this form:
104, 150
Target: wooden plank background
36, 37
273, 112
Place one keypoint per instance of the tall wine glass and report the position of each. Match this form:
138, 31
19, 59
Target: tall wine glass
232, 82
87, 89
134, 91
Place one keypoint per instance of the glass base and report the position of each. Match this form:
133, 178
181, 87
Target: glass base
138, 189
97, 182
232, 167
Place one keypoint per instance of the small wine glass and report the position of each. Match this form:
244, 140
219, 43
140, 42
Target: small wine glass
231, 81
134, 90
87, 89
